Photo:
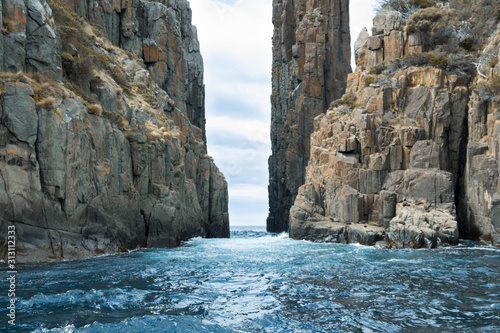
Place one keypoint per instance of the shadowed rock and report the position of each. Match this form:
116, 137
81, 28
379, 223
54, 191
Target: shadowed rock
311, 60
80, 179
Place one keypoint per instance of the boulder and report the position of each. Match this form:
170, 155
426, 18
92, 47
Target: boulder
417, 227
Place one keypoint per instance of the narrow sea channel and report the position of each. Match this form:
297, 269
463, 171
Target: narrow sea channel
260, 282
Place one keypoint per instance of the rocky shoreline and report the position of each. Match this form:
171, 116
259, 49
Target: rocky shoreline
408, 156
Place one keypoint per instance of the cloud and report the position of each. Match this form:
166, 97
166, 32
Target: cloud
248, 204
254, 131
235, 41
247, 193
239, 98
236, 45
242, 164
242, 29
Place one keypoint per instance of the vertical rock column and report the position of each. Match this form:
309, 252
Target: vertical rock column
311, 60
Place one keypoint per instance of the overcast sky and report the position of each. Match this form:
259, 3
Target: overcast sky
235, 41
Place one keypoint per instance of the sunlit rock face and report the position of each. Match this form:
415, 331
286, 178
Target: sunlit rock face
102, 139
311, 60
408, 157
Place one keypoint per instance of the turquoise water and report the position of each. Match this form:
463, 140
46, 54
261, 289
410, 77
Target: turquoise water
259, 282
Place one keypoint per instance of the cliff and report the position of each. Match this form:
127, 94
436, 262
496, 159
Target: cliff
102, 129
409, 156
311, 60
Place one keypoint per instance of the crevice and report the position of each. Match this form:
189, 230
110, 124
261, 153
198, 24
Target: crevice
49, 231
460, 190
120, 27
37, 153
61, 247
146, 228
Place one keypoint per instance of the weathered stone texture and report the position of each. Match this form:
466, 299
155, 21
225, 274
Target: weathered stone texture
387, 42
29, 41
311, 60
76, 184
478, 208
161, 33
391, 160
411, 152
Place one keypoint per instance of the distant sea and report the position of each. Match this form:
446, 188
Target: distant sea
260, 282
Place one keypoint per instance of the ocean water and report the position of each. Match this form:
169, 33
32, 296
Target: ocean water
260, 282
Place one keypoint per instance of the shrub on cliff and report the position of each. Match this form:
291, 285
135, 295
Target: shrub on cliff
349, 100
83, 71
493, 62
467, 43
95, 109
449, 26
438, 29
488, 89
416, 59
120, 77
79, 58
424, 20
378, 69
407, 7
453, 63
7, 26
440, 60
369, 80
47, 103
83, 54
480, 15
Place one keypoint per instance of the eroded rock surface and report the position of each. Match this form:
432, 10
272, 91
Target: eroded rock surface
409, 155
311, 60
80, 179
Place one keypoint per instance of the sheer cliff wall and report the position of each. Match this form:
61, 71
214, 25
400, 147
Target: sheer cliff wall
311, 60
102, 139
408, 157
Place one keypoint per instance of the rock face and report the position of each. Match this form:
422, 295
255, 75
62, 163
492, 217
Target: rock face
409, 155
161, 33
311, 60
478, 207
29, 41
130, 170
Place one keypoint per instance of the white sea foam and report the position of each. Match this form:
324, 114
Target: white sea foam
259, 282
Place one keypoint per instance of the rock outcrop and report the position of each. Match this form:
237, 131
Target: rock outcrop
408, 157
478, 207
311, 60
113, 157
